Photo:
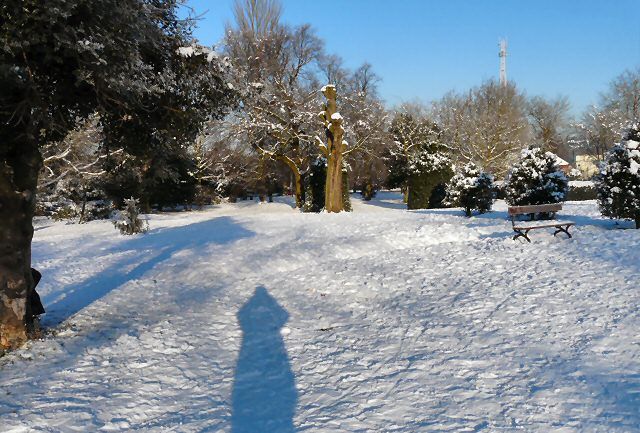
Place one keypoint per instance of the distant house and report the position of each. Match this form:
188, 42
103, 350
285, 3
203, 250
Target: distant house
564, 165
588, 165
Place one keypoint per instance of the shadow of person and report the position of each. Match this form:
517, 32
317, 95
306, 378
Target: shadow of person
264, 395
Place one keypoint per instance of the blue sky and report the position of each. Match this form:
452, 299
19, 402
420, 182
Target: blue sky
422, 49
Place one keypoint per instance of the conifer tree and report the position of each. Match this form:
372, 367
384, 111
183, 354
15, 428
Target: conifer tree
619, 180
536, 179
314, 186
428, 168
471, 189
128, 219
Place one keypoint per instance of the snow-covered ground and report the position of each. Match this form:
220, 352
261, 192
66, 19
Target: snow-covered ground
255, 318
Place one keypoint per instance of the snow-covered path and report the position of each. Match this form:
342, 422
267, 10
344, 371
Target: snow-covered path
256, 318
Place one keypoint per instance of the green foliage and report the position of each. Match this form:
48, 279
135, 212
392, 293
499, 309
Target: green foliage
368, 190
619, 180
176, 186
417, 160
580, 192
346, 198
315, 186
411, 135
206, 195
535, 179
397, 167
428, 168
133, 62
122, 179
471, 189
439, 194
422, 187
64, 213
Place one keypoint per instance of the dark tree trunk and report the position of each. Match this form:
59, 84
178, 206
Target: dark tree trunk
638, 220
83, 211
19, 167
299, 190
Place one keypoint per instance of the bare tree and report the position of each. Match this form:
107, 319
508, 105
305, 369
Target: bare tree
365, 80
230, 165
624, 96
367, 125
598, 131
549, 123
257, 17
72, 167
488, 125
602, 126
278, 88
256, 40
332, 71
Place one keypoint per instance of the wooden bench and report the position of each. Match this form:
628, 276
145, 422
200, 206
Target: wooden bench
522, 228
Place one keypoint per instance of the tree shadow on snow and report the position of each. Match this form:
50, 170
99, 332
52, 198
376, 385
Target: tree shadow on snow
389, 204
384, 199
152, 249
605, 396
264, 394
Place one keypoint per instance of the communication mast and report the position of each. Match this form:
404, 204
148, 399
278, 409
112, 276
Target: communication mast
503, 62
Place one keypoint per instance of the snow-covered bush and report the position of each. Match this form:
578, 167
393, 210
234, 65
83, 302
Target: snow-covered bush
62, 212
73, 198
575, 174
427, 169
536, 179
128, 220
619, 180
471, 189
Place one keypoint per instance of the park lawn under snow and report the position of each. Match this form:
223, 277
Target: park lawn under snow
255, 318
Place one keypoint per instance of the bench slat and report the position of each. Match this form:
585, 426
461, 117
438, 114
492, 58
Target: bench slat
530, 225
521, 210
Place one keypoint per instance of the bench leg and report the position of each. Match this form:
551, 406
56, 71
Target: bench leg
560, 229
520, 234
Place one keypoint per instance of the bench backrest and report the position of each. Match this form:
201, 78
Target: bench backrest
532, 209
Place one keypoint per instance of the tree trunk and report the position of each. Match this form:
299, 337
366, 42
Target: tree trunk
297, 179
19, 169
83, 210
335, 150
333, 187
299, 196
638, 220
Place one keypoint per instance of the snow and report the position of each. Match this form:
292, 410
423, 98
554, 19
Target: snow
186, 51
253, 317
560, 162
581, 183
541, 223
